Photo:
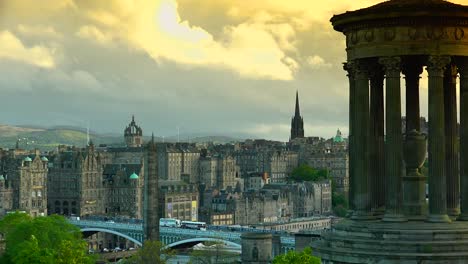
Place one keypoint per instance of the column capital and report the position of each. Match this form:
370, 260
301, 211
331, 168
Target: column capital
392, 66
412, 69
360, 70
436, 65
349, 67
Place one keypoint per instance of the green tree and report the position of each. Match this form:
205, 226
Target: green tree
339, 202
307, 173
42, 240
152, 252
293, 257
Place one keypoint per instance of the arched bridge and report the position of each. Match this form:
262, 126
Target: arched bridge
172, 237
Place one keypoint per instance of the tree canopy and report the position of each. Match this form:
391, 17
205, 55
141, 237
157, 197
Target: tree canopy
307, 173
48, 239
294, 257
152, 252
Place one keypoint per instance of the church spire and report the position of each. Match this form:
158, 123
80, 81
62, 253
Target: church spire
297, 123
298, 111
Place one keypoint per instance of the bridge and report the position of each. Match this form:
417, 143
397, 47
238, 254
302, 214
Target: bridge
176, 237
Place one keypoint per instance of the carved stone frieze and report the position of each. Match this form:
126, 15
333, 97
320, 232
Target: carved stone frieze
369, 35
389, 34
459, 33
407, 40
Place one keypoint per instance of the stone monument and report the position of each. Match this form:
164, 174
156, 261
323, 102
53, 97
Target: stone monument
256, 248
390, 220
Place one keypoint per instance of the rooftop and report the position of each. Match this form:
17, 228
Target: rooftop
392, 9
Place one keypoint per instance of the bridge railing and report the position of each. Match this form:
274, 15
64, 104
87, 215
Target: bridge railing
132, 228
100, 224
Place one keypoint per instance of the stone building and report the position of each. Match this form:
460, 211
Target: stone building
218, 207
280, 164
133, 134
26, 177
277, 162
75, 182
331, 154
6, 196
255, 207
178, 161
256, 181
178, 200
123, 190
219, 171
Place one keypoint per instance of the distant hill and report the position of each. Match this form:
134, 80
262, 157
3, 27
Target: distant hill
31, 137
48, 139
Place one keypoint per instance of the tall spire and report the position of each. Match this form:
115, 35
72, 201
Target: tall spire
297, 123
298, 112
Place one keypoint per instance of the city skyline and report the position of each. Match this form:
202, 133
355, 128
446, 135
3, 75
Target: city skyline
221, 68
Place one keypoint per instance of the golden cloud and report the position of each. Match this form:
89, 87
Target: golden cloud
156, 28
14, 49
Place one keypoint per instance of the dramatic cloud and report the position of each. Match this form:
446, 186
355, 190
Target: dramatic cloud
14, 49
214, 67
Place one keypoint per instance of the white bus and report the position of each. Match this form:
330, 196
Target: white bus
194, 225
169, 222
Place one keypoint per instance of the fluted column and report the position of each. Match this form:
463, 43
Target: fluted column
350, 67
414, 183
451, 144
437, 179
376, 141
393, 143
463, 70
361, 132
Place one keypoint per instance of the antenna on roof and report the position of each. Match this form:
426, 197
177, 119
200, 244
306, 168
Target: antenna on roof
178, 135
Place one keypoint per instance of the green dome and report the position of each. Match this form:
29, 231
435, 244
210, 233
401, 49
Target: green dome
27, 159
2, 178
338, 139
134, 176
44, 159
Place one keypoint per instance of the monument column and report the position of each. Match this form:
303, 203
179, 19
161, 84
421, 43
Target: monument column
437, 180
349, 67
360, 144
414, 183
463, 70
451, 144
393, 143
376, 141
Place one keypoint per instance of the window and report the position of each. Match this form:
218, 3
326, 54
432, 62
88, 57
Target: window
39, 194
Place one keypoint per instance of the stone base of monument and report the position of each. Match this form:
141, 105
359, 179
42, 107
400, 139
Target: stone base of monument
377, 242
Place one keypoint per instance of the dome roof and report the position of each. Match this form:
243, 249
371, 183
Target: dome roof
44, 159
134, 176
338, 139
388, 10
2, 178
27, 159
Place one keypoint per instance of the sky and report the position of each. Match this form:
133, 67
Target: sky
212, 67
